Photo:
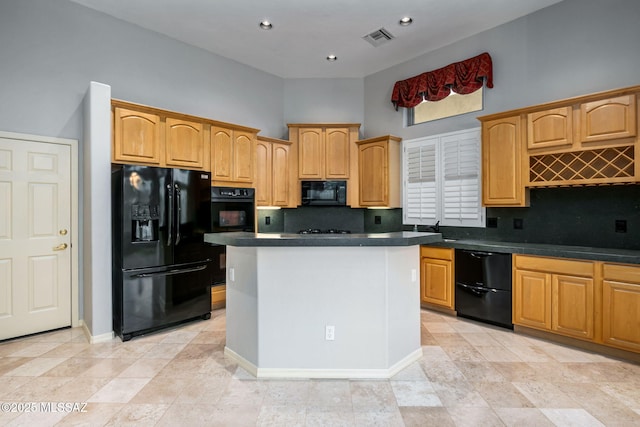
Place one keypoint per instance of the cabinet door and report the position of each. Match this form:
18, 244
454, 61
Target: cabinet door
263, 173
436, 282
551, 128
281, 175
221, 154
373, 174
218, 296
606, 119
311, 153
502, 183
532, 299
336, 153
184, 144
136, 137
243, 149
572, 306
621, 314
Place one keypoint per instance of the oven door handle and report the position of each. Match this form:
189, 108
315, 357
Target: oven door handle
476, 290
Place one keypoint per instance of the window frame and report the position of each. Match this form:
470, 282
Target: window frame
425, 207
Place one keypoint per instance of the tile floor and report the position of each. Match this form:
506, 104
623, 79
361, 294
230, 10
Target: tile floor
470, 375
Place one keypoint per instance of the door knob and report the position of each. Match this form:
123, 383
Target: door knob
63, 232
60, 247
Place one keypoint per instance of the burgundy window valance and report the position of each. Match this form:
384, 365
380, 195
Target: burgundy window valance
462, 77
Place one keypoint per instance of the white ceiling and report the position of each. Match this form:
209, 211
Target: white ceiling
306, 31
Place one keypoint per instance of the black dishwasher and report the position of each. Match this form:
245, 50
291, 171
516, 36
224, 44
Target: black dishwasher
483, 286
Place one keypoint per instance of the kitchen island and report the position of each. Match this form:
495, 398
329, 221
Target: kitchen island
323, 306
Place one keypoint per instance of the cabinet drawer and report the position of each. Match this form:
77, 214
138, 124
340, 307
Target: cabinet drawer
439, 253
622, 273
554, 265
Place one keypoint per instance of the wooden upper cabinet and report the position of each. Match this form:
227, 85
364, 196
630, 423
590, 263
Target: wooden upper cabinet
274, 173
243, 151
263, 172
221, 154
311, 153
502, 158
607, 119
232, 155
184, 144
137, 137
324, 150
282, 183
379, 171
336, 159
550, 128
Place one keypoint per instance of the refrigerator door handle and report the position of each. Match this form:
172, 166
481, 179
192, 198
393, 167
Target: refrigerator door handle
170, 203
170, 272
179, 214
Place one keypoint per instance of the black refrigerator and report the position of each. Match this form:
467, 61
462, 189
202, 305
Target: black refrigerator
162, 269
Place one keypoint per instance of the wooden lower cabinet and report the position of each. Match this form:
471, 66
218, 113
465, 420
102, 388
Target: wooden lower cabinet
532, 299
555, 295
572, 306
436, 276
218, 296
621, 306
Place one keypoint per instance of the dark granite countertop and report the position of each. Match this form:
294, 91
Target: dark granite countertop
409, 238
400, 238
627, 256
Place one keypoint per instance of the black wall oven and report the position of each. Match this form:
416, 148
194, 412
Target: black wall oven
232, 209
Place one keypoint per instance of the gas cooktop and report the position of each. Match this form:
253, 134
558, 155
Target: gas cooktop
318, 231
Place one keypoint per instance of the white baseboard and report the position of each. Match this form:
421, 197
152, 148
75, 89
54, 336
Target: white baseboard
93, 339
324, 373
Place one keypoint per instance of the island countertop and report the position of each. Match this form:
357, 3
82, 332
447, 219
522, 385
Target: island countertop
400, 238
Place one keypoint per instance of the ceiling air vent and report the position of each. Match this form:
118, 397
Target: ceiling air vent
378, 37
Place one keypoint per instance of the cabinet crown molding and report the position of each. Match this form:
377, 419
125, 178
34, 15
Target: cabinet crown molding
168, 113
562, 103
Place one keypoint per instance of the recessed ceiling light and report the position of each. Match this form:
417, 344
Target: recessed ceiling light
332, 58
405, 21
266, 25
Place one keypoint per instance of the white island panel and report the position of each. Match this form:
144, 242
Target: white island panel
280, 300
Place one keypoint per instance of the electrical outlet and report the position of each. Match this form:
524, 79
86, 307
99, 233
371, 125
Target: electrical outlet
518, 223
377, 219
329, 332
621, 225
267, 220
492, 222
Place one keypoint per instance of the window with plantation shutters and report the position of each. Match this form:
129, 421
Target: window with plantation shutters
442, 180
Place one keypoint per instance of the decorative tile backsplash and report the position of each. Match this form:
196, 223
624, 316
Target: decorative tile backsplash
577, 216
325, 217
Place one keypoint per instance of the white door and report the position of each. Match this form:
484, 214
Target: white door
35, 237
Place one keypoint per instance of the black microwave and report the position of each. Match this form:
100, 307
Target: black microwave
324, 193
